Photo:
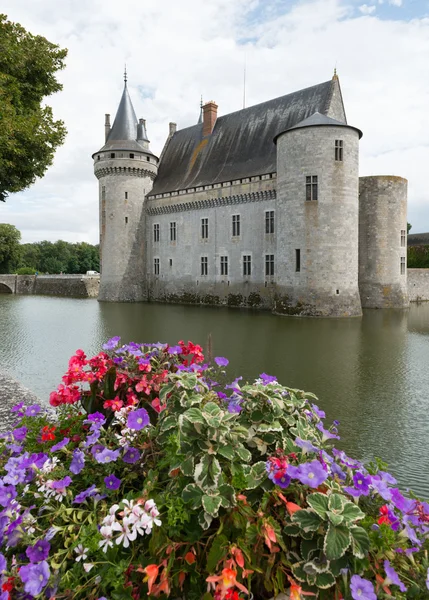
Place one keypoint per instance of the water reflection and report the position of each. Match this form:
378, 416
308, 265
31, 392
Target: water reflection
369, 373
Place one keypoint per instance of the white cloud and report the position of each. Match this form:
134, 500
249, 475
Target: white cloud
395, 2
176, 51
366, 9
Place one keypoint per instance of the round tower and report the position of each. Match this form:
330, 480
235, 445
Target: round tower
125, 168
317, 212
383, 242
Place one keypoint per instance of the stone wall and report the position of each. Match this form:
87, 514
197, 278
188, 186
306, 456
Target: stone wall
75, 286
418, 285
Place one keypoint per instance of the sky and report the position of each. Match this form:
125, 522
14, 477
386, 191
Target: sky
178, 50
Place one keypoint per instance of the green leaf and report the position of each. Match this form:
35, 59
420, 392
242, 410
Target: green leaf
187, 466
335, 566
360, 542
319, 503
298, 572
194, 415
211, 504
308, 548
227, 495
165, 390
204, 519
352, 512
211, 409
265, 427
217, 552
336, 502
336, 542
307, 519
243, 453
226, 451
325, 580
292, 530
169, 422
192, 494
109, 384
255, 475
257, 416
335, 518
207, 472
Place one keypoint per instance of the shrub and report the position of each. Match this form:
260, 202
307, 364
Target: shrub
25, 271
151, 478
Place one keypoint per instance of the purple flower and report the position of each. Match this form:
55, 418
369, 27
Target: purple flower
14, 448
387, 477
310, 473
7, 494
427, 579
97, 418
32, 410
175, 350
62, 483
107, 456
96, 449
381, 487
336, 470
266, 379
3, 563
234, 404
352, 491
305, 445
234, 385
327, 435
78, 462
17, 408
112, 482
91, 491
362, 483
137, 419
281, 479
318, 412
362, 589
92, 438
60, 445
131, 456
20, 433
14, 476
35, 577
112, 343
221, 395
403, 504
38, 552
393, 577
221, 361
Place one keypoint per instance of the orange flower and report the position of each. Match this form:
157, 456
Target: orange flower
190, 558
225, 581
295, 591
182, 577
151, 576
162, 586
238, 555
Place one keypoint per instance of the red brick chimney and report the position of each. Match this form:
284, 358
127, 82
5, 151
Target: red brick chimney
209, 117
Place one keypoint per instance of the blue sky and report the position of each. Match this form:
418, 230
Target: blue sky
177, 51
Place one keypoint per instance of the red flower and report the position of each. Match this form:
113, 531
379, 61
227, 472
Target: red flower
48, 433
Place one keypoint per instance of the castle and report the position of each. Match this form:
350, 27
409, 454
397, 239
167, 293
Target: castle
262, 208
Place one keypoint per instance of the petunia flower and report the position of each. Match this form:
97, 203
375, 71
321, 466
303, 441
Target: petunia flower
34, 577
137, 419
78, 462
131, 456
362, 483
305, 445
7, 494
20, 433
326, 434
107, 456
32, 410
112, 343
38, 552
362, 589
3, 563
60, 445
392, 577
91, 491
318, 412
310, 473
96, 418
112, 482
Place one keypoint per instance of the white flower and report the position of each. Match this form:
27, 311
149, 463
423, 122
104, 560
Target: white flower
81, 552
126, 535
87, 567
106, 543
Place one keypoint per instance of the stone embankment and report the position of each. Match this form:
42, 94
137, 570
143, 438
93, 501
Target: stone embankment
418, 285
12, 392
75, 286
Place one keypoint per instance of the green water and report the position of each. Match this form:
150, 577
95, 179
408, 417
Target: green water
371, 373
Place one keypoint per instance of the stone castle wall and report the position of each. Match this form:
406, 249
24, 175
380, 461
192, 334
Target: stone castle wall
418, 285
74, 286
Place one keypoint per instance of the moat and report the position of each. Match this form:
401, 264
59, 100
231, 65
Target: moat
369, 373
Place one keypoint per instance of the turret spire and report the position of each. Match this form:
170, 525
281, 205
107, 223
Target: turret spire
125, 74
200, 120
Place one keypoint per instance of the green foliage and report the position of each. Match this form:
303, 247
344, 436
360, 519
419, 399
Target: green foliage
409, 226
60, 257
25, 271
418, 257
29, 135
9, 247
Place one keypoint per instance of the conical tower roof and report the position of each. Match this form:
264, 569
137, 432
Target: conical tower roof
319, 120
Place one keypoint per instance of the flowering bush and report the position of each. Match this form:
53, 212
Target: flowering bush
153, 478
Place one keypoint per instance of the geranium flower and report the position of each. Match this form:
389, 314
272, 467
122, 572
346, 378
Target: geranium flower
81, 552
137, 419
131, 456
115, 404
393, 577
362, 589
112, 482
48, 433
34, 577
126, 535
38, 552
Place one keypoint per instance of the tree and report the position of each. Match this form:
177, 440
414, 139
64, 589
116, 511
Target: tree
10, 249
29, 135
408, 227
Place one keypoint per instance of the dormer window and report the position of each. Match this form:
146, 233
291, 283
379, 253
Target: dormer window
112, 155
131, 155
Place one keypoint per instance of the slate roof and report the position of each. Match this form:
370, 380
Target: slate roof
241, 144
319, 120
418, 239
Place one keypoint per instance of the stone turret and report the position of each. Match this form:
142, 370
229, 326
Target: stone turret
383, 242
317, 215
125, 168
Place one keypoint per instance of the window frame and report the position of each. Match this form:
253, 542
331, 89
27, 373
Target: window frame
173, 231
156, 233
204, 262
311, 188
247, 265
156, 266
236, 225
224, 266
339, 148
269, 221
403, 267
204, 228
403, 238
269, 265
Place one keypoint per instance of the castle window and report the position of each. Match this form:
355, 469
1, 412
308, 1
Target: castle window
402, 265
235, 225
171, 262
269, 265
148, 158
204, 228
297, 260
112, 155
269, 221
311, 185
126, 220
126, 195
156, 266
247, 264
403, 238
173, 232
98, 157
156, 232
339, 150
204, 265
131, 155
224, 265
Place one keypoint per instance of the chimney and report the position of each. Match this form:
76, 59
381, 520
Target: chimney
173, 128
209, 117
141, 130
107, 127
